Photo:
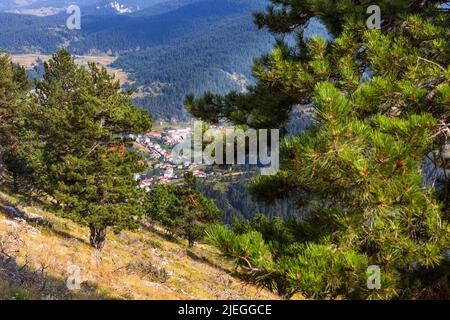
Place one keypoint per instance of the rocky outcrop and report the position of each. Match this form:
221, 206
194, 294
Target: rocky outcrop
15, 213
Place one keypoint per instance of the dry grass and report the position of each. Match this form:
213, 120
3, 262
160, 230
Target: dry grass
40, 258
30, 60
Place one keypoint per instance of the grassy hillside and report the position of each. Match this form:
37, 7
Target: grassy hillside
35, 262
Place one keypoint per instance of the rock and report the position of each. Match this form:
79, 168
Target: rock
32, 230
21, 224
36, 219
183, 292
20, 221
11, 223
157, 285
151, 284
28, 217
230, 296
13, 212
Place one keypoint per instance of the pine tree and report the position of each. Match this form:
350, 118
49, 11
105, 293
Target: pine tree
82, 160
381, 102
8, 100
8, 88
182, 210
14, 86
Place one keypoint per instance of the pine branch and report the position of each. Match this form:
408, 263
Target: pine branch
429, 61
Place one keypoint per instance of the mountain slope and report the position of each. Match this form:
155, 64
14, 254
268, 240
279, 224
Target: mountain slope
120, 33
36, 262
217, 60
169, 49
32, 4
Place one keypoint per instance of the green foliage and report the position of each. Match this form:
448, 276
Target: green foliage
8, 102
14, 85
182, 210
8, 93
277, 233
252, 257
358, 172
74, 132
322, 271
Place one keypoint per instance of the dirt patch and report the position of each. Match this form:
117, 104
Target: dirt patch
29, 61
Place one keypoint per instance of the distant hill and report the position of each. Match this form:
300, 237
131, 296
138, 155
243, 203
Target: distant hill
158, 24
214, 52
170, 49
36, 4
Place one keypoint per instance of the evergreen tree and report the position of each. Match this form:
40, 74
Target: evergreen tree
160, 207
8, 100
82, 158
182, 210
14, 85
381, 99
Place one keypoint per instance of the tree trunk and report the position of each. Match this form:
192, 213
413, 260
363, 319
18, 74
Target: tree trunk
15, 182
97, 236
191, 242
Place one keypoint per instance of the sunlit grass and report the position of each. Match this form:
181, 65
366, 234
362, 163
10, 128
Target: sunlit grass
42, 256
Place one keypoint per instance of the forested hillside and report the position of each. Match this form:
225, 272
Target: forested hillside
170, 49
195, 63
230, 193
12, 5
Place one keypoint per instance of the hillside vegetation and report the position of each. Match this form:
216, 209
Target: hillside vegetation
170, 49
37, 260
380, 98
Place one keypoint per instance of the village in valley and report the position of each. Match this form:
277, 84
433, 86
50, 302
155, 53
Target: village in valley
156, 149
